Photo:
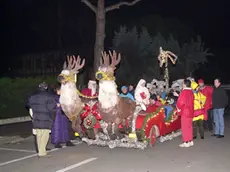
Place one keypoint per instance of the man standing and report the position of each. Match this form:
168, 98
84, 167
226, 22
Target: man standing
42, 109
207, 92
219, 102
185, 107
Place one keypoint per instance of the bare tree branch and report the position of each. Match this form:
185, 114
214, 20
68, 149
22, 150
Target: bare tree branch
91, 6
118, 5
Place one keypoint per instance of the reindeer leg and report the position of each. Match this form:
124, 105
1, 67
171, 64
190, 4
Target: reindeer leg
104, 127
133, 133
76, 126
113, 131
128, 127
95, 130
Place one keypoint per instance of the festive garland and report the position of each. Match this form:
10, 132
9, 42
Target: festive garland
172, 117
89, 121
146, 120
90, 116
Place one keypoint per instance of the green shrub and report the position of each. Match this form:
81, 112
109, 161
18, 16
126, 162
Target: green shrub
14, 94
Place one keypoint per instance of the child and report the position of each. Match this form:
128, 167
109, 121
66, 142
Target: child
125, 93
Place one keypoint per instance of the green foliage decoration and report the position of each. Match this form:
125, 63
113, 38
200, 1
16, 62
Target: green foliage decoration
139, 52
14, 94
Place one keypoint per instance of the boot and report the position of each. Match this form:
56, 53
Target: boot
58, 145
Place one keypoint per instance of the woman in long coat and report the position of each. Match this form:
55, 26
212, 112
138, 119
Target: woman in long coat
60, 130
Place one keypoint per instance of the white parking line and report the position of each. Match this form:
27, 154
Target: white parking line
18, 150
29, 156
77, 165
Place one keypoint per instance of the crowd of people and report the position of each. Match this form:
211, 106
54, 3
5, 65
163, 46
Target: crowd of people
200, 106
197, 105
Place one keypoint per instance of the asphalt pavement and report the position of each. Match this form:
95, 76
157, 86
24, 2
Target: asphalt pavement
210, 154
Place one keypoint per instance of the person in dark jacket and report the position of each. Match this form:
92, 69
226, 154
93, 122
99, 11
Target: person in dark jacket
219, 102
42, 107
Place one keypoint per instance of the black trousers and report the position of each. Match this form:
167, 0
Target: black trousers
198, 126
208, 125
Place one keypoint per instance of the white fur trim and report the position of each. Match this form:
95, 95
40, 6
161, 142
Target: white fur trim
187, 88
108, 95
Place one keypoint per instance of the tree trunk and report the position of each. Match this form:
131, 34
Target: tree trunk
100, 34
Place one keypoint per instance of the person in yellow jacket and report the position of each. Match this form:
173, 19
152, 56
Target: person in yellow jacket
199, 102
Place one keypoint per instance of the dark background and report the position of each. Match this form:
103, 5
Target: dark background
31, 26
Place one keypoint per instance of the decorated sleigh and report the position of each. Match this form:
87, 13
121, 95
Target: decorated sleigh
120, 122
153, 125
149, 127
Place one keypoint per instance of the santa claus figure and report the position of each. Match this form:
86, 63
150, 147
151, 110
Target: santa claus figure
91, 90
142, 94
185, 107
90, 115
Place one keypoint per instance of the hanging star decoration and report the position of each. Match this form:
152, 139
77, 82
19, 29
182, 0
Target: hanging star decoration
165, 55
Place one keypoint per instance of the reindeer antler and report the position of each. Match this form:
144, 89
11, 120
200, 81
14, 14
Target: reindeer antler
115, 59
105, 57
73, 64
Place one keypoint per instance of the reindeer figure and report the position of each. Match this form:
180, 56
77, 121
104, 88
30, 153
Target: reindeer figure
70, 102
113, 109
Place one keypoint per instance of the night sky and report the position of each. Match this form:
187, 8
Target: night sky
208, 18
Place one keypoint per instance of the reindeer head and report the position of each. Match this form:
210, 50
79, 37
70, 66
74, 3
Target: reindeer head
70, 68
106, 70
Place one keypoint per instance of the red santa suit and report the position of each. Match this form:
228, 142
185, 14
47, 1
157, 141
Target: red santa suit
185, 106
91, 106
207, 92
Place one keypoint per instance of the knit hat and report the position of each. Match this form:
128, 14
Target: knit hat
43, 85
200, 81
124, 87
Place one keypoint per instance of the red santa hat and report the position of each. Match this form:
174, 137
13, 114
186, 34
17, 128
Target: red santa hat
86, 92
200, 81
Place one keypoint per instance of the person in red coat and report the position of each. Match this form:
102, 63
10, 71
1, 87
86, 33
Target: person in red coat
185, 107
207, 92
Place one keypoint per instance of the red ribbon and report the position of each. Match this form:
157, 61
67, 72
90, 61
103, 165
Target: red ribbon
93, 111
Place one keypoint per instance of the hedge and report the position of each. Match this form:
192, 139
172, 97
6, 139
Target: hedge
14, 94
